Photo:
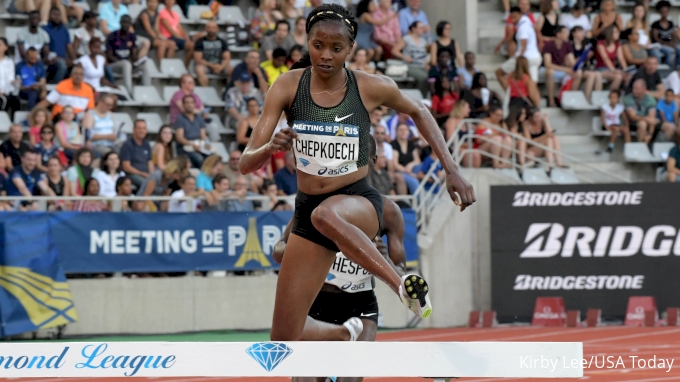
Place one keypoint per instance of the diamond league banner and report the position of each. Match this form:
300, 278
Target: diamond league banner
594, 245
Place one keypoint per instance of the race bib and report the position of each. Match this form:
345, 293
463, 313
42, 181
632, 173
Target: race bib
348, 276
326, 149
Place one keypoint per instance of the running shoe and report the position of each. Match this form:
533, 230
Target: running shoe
354, 327
413, 293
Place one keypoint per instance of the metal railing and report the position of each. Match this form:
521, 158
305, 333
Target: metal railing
425, 200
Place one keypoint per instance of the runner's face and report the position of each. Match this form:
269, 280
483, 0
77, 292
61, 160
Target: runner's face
329, 47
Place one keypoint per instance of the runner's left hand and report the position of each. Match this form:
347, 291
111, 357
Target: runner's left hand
456, 183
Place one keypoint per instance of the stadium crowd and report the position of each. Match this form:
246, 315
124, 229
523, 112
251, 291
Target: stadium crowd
69, 144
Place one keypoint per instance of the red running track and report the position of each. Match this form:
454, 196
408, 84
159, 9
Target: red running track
611, 341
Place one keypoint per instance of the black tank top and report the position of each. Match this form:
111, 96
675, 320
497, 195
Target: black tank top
548, 29
333, 141
451, 48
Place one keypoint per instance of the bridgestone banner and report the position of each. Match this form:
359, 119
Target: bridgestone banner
594, 245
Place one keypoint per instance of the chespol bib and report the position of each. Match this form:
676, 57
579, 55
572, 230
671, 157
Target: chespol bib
349, 276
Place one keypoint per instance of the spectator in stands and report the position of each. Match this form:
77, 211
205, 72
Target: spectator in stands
515, 119
443, 99
493, 141
442, 68
216, 199
609, 59
13, 148
444, 43
405, 156
245, 126
577, 18
102, 131
412, 48
280, 39
606, 18
641, 111
162, 149
67, 131
468, 71
583, 49
437, 173
386, 151
294, 56
60, 44
469, 158
122, 53
109, 174
9, 102
394, 122
26, 180
387, 32
527, 46
83, 35
264, 20
277, 66
538, 130
110, 15
45, 148
170, 27
190, 132
299, 32
36, 120
212, 166
289, 11
378, 175
360, 61
270, 189
33, 37
411, 14
239, 192
366, 24
548, 20
70, 92
668, 114
94, 66
650, 75
612, 121
158, 183
146, 26
523, 90
251, 67
673, 162
237, 96
511, 28
124, 189
92, 188
633, 52
81, 171
211, 55
135, 155
480, 97
33, 79
638, 24
664, 37
186, 88
286, 178
58, 184
40, 7
188, 190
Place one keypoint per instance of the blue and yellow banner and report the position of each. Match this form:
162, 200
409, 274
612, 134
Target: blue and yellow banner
33, 290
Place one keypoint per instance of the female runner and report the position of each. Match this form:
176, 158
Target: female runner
335, 209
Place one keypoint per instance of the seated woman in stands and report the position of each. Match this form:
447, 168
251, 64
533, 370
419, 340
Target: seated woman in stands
469, 158
443, 99
523, 90
537, 129
83, 205
160, 181
161, 153
480, 97
493, 141
58, 184
633, 52
638, 24
360, 61
605, 19
609, 59
68, 134
405, 156
212, 165
81, 171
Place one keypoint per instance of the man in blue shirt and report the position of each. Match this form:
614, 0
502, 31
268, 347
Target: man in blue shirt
286, 178
32, 72
26, 180
411, 14
60, 44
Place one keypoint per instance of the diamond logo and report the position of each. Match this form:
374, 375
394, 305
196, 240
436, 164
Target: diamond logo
304, 162
269, 354
330, 277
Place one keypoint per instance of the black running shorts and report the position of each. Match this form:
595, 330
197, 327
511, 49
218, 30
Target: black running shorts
338, 307
305, 204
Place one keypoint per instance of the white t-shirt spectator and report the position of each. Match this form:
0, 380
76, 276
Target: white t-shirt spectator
569, 21
180, 205
672, 82
612, 116
526, 31
107, 184
93, 75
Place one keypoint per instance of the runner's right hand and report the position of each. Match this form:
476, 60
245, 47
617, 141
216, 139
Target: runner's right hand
283, 140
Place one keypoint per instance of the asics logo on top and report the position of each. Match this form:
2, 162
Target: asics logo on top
550, 239
337, 119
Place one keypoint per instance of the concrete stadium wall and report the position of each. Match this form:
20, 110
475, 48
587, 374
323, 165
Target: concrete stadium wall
455, 258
